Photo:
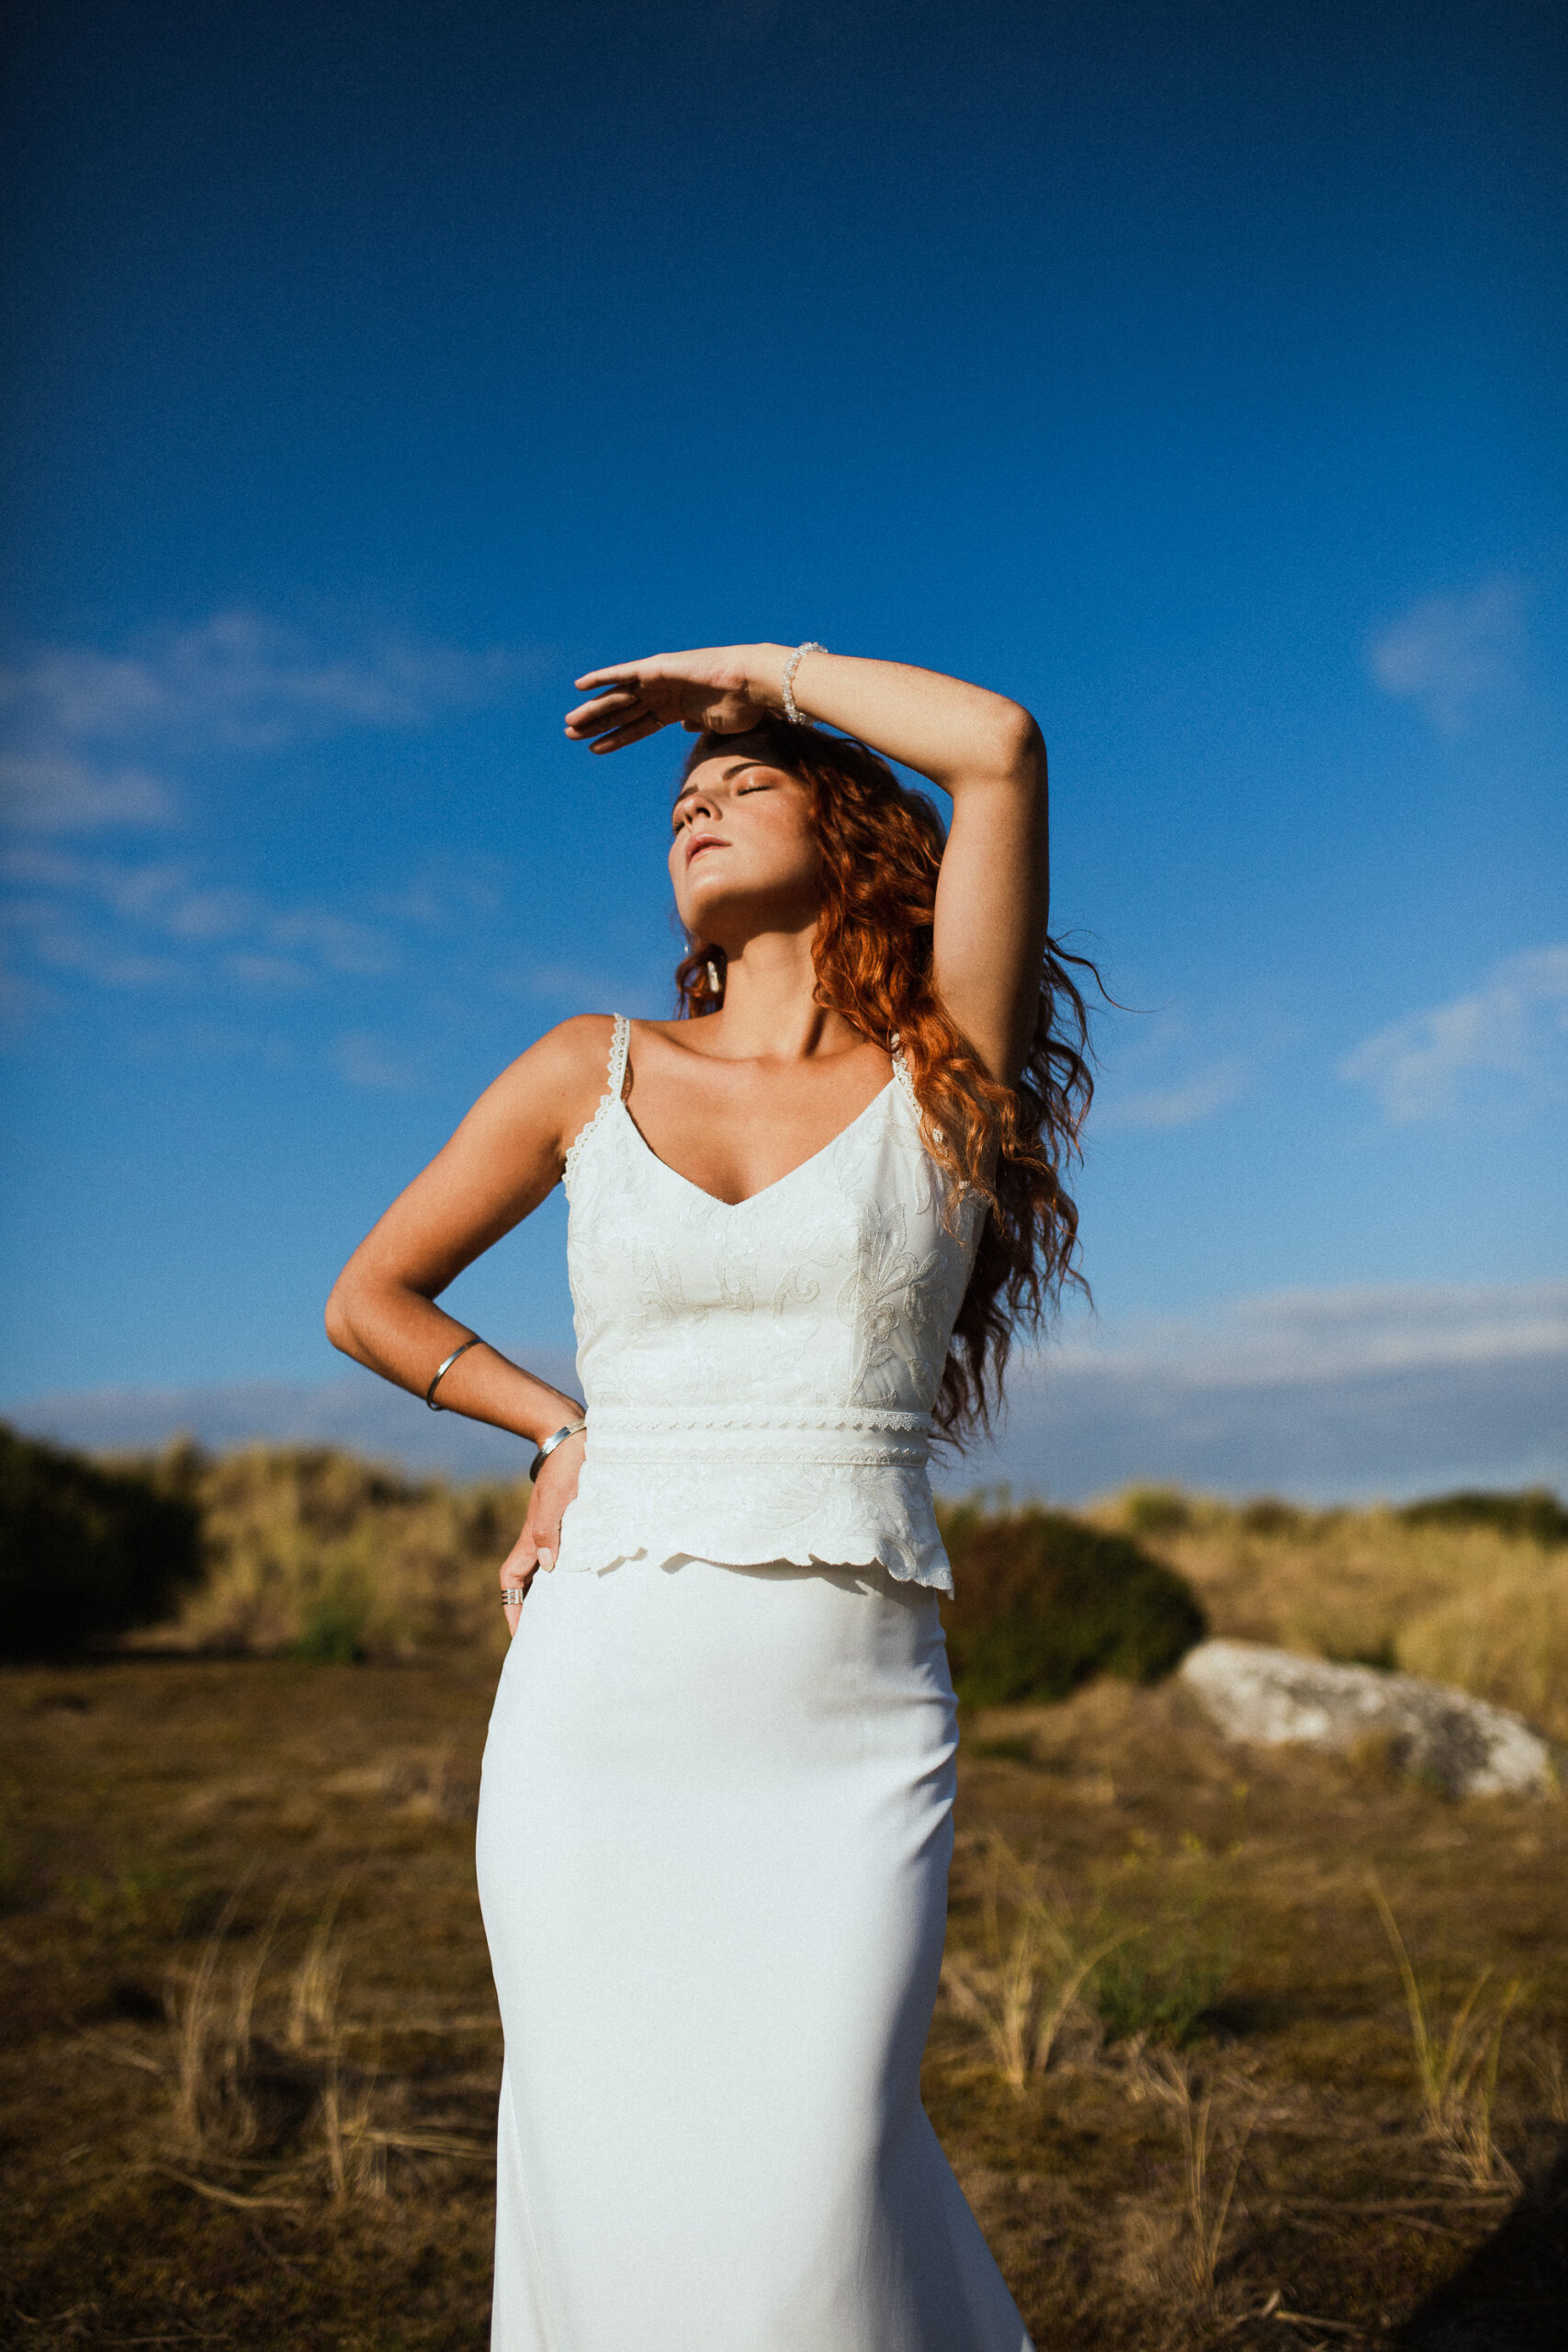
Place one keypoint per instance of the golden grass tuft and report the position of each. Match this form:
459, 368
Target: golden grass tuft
1209, 2183
1457, 2064
1020, 1988
293, 2116
341, 2194
313, 1551
1470, 1605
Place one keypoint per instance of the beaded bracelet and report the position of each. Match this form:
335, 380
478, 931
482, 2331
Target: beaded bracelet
792, 709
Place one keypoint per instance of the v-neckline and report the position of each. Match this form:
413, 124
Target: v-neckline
704, 1194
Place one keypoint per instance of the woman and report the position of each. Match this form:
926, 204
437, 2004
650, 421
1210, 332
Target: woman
717, 1811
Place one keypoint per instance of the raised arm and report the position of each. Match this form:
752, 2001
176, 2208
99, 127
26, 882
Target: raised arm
984, 752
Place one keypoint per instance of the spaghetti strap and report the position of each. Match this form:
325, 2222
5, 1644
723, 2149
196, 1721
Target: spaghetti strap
620, 1044
615, 1079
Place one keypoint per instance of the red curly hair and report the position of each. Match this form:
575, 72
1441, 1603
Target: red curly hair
881, 844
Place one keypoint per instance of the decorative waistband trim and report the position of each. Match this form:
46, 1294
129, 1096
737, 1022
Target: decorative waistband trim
639, 1421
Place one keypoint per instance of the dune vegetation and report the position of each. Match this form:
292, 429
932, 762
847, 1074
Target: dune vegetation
312, 1552
1468, 1590
1235, 2047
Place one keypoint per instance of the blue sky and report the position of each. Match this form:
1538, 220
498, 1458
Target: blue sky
1194, 374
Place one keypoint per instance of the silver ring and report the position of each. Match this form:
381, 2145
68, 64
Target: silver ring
513, 1596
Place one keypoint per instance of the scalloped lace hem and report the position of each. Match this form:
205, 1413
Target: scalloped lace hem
907, 1560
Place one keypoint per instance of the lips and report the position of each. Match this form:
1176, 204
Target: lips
702, 841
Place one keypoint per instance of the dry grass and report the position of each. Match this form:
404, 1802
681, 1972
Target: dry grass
1457, 2066
1026, 1978
274, 2121
314, 1551
1209, 2193
1466, 1605
1199, 2092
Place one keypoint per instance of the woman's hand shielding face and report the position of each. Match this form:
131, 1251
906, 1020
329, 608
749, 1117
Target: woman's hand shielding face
718, 690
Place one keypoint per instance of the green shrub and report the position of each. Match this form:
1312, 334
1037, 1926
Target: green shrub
86, 1553
1043, 1602
1267, 1515
1535, 1512
336, 1623
1155, 1511
313, 1553
1158, 1983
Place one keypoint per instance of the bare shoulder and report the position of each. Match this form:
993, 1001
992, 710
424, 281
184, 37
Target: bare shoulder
555, 1085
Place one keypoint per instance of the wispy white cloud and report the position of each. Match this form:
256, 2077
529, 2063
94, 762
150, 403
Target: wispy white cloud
1383, 1389
116, 921
1175, 1068
64, 948
1329, 1395
238, 682
1514, 1026
338, 941
1333, 1334
269, 974
58, 793
1447, 652
1182, 1104
366, 1060
241, 680
581, 986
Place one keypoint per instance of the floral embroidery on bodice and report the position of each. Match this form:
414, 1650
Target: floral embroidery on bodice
760, 1375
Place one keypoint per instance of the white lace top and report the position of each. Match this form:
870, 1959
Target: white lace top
760, 1376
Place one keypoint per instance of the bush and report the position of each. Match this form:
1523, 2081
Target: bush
86, 1553
335, 1624
1159, 1983
1535, 1513
1044, 1602
1155, 1511
316, 1553
1267, 1515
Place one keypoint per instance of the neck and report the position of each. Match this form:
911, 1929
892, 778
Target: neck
770, 1012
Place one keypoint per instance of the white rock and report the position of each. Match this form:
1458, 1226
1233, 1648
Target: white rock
1468, 1747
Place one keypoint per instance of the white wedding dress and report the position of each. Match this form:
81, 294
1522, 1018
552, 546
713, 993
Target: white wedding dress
715, 1819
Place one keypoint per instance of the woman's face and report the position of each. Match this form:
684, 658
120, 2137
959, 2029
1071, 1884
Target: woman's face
743, 858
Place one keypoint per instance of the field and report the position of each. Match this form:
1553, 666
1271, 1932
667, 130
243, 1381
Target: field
1235, 2047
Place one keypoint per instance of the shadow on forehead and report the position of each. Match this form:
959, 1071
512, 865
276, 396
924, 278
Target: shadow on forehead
774, 744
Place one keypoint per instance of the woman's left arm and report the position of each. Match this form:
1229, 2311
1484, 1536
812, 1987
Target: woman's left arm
985, 752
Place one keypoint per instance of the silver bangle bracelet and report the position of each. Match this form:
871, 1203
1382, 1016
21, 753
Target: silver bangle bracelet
549, 1445
790, 708
441, 1372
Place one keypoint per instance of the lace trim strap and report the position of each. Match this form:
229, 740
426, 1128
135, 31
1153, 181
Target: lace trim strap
901, 1072
615, 1079
620, 1045
906, 1087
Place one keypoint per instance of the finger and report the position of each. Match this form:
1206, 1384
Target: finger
521, 1561
622, 699
603, 722
633, 732
618, 673
513, 1580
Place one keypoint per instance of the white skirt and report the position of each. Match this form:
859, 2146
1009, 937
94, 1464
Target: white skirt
714, 1838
